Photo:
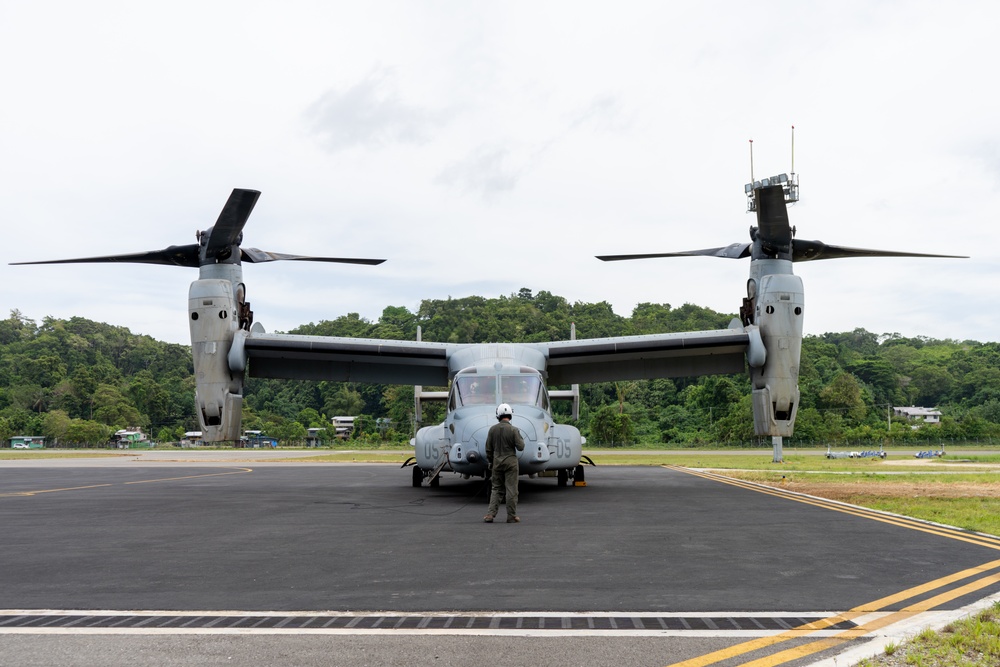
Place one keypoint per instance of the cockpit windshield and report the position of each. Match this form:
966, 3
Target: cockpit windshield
515, 389
475, 390
521, 390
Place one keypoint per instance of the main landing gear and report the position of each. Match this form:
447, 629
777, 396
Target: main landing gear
578, 477
418, 475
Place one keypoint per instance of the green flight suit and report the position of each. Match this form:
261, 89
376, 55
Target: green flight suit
503, 442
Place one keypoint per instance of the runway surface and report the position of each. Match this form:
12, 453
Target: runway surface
179, 563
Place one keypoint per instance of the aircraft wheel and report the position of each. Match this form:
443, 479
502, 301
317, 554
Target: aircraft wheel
436, 481
578, 475
418, 476
562, 477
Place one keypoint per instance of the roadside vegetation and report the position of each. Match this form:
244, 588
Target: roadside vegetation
970, 642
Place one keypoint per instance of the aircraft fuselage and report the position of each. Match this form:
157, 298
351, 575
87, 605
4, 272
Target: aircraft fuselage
459, 443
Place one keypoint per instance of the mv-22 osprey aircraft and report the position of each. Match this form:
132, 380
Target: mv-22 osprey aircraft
226, 345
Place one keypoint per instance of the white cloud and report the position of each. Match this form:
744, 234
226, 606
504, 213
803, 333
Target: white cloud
369, 114
486, 171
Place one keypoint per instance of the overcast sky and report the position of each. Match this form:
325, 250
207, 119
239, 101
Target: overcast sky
482, 147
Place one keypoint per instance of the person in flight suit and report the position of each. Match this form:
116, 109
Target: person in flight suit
503, 442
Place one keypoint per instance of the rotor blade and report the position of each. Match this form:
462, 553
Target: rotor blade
731, 251
255, 256
175, 255
772, 218
804, 251
231, 221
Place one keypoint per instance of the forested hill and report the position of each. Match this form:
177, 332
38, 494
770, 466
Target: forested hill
77, 381
519, 318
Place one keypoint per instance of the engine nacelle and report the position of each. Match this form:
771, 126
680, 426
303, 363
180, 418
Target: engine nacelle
213, 320
431, 446
565, 446
778, 314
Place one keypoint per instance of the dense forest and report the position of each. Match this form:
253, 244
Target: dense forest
76, 381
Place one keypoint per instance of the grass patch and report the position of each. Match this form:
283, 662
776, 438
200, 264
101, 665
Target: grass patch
981, 515
972, 458
861, 478
970, 642
23, 454
763, 461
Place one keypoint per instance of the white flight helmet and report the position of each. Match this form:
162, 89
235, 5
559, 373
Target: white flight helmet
503, 410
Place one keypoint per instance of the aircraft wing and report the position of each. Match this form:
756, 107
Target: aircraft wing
339, 359
643, 357
342, 359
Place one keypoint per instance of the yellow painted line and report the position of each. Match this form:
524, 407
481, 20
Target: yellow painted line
237, 471
972, 538
881, 603
860, 610
35, 493
821, 645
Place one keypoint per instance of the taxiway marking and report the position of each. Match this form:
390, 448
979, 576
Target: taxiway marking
13, 494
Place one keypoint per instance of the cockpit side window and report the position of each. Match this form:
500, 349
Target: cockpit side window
475, 390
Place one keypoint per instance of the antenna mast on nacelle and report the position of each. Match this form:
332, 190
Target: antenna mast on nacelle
789, 182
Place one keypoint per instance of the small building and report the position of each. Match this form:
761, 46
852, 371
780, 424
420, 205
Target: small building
343, 427
192, 439
130, 439
257, 439
913, 413
313, 438
27, 442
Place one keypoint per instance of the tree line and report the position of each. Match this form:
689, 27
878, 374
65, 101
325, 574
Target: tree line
76, 381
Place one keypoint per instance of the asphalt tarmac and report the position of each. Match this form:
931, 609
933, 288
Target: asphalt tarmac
140, 562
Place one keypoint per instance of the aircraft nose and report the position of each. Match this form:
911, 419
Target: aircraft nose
527, 428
